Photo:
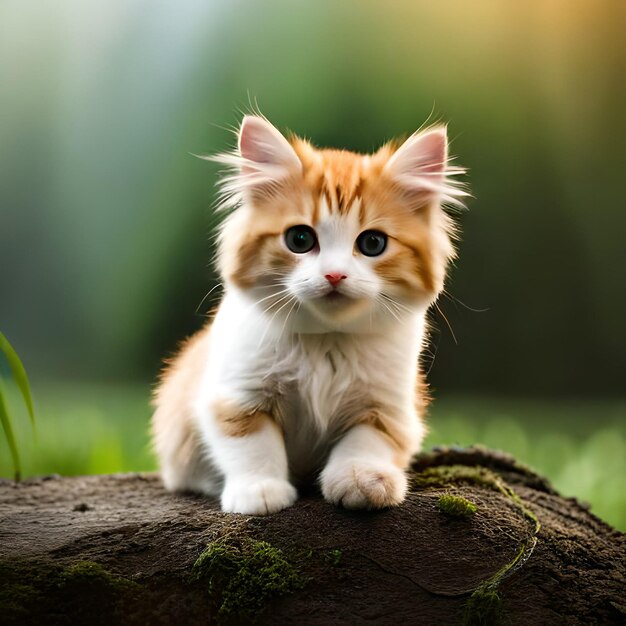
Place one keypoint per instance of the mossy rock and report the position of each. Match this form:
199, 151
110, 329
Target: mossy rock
133, 554
84, 589
243, 576
456, 506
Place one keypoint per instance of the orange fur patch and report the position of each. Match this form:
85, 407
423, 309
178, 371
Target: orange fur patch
174, 435
237, 422
422, 395
392, 430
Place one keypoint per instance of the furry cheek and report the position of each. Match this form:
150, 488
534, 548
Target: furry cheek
407, 271
258, 260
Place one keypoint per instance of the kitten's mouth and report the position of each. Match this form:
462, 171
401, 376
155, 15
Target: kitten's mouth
335, 297
337, 307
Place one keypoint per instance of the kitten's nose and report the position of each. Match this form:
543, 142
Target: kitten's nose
334, 278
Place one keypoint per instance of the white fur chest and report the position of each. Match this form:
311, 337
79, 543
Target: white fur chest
319, 372
317, 383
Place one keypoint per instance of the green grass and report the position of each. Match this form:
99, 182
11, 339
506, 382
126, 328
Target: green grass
85, 430
20, 380
580, 446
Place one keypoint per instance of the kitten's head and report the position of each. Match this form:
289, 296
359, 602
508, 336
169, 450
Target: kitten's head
332, 237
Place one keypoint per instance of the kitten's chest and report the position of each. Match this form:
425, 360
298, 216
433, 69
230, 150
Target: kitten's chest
314, 378
313, 390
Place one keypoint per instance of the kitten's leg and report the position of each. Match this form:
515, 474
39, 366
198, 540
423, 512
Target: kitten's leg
190, 471
182, 456
249, 450
366, 470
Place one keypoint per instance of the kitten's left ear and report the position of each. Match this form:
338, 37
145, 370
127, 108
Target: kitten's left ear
420, 166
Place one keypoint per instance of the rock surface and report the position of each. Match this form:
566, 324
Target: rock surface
119, 549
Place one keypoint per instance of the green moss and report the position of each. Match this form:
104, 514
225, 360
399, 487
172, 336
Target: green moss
243, 576
334, 557
451, 475
21, 589
483, 609
456, 506
29, 592
620, 608
15, 600
484, 605
447, 475
90, 574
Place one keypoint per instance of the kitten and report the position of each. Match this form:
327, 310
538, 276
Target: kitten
309, 368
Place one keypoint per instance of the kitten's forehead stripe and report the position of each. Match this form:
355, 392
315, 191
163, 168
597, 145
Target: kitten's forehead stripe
342, 177
337, 175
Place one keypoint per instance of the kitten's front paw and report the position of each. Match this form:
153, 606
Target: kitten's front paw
260, 497
364, 485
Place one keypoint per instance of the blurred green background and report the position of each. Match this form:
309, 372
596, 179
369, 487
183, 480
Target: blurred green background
105, 217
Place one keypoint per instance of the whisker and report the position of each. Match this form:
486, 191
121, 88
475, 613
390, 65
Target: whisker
282, 330
282, 298
219, 284
390, 310
447, 322
272, 295
288, 298
252, 306
454, 299
433, 355
395, 302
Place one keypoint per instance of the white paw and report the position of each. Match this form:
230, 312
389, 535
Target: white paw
359, 484
259, 497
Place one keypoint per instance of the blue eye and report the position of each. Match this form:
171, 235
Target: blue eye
300, 239
372, 242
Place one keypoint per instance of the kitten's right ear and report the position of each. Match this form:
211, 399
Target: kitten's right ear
263, 159
262, 146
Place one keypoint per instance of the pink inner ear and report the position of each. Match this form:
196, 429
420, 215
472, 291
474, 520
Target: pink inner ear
429, 154
251, 144
421, 155
261, 143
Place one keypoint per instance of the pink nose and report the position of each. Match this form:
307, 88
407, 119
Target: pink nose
334, 278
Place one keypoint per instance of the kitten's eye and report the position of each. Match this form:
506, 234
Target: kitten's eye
372, 242
300, 239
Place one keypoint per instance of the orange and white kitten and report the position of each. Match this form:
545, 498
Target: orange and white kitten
309, 369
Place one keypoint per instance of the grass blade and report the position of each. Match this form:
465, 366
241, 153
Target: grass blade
19, 375
8, 431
